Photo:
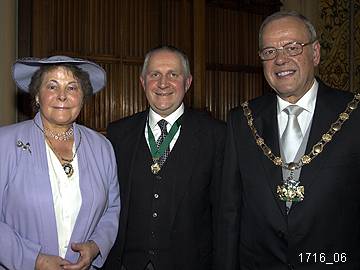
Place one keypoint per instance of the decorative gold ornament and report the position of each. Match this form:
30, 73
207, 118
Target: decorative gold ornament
336, 126
305, 159
260, 141
288, 193
291, 166
317, 148
277, 161
353, 105
344, 116
155, 168
290, 190
326, 137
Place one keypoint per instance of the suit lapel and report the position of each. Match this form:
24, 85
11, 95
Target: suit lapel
267, 126
324, 115
136, 134
182, 159
132, 146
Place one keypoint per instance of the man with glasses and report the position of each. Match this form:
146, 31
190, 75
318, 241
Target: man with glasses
291, 175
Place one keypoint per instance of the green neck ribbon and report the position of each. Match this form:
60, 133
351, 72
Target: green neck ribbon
156, 153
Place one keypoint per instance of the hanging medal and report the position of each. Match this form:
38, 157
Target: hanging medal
290, 190
156, 152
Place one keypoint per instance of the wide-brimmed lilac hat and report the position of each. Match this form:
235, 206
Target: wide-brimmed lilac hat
24, 69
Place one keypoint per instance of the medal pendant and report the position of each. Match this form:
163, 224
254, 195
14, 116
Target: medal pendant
290, 193
155, 168
68, 169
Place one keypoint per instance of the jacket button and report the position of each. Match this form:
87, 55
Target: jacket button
158, 177
280, 234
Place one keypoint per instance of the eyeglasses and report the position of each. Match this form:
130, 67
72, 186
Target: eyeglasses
290, 49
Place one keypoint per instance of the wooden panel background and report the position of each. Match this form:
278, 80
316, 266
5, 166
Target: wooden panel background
116, 34
234, 72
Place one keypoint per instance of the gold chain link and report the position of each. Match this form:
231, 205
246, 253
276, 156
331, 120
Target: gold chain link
316, 149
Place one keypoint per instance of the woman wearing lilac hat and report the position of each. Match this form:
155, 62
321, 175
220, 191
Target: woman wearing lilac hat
59, 193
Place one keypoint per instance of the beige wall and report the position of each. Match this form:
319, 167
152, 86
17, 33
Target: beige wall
7, 56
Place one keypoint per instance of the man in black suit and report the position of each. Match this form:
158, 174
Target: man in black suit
291, 182
169, 161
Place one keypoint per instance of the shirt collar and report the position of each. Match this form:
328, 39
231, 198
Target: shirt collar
154, 117
307, 101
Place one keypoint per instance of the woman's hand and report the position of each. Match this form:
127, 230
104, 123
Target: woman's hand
88, 251
50, 262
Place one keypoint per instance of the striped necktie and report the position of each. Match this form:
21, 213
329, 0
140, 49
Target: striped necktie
162, 124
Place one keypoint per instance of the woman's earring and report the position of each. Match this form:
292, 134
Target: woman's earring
37, 104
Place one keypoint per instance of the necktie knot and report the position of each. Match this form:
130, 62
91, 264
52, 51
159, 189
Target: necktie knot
162, 124
293, 110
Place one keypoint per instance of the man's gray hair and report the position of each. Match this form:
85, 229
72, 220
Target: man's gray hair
284, 14
183, 58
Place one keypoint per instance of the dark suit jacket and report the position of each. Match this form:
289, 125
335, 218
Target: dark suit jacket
197, 158
254, 230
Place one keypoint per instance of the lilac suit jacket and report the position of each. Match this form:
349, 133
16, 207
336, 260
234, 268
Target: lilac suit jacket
27, 218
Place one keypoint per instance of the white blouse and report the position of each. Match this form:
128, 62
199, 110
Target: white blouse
66, 198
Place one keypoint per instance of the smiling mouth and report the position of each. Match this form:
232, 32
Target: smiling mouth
283, 74
163, 94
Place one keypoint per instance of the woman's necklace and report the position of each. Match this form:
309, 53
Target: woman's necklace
65, 163
67, 166
62, 136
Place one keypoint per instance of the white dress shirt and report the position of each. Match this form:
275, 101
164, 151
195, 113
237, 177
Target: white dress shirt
154, 118
307, 102
66, 198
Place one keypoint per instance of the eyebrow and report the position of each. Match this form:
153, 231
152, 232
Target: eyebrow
55, 81
169, 71
285, 43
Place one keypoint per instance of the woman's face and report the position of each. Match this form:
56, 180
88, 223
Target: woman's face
60, 98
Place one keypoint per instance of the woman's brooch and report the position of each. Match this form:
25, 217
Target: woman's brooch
23, 146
